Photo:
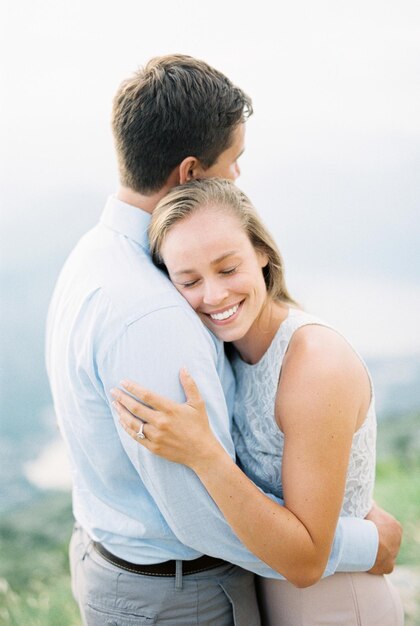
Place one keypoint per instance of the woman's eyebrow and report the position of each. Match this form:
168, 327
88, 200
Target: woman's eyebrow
214, 262
223, 257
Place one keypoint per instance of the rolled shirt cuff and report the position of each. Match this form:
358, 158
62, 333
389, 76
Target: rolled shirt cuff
355, 546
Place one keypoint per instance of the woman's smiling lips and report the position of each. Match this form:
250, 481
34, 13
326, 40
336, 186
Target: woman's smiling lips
225, 315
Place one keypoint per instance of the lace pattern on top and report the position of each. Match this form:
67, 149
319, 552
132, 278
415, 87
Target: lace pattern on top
259, 441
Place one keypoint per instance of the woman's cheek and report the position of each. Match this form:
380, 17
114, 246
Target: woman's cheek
189, 296
193, 299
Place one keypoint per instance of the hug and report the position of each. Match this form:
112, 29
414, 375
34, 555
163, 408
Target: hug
221, 438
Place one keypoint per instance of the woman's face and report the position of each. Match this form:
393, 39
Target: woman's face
214, 266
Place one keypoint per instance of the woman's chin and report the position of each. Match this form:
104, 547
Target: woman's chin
224, 333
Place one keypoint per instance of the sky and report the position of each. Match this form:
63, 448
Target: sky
332, 155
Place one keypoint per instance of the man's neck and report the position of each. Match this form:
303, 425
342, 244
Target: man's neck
147, 202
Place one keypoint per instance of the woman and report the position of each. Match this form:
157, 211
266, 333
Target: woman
304, 415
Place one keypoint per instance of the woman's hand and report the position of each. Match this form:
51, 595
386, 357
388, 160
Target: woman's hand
178, 432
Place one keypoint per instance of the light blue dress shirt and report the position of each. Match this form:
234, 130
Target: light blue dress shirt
114, 315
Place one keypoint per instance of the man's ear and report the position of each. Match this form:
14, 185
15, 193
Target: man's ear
189, 169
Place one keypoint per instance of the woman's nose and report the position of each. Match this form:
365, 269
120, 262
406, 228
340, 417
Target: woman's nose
214, 293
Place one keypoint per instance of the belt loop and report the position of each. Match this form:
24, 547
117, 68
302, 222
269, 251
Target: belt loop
88, 549
178, 575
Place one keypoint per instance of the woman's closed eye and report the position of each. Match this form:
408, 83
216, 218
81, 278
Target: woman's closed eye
231, 270
189, 283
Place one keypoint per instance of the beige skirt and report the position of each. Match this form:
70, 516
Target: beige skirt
350, 599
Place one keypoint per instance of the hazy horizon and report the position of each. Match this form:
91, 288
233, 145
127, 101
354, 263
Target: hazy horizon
332, 150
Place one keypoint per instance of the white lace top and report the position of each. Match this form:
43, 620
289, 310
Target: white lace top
259, 441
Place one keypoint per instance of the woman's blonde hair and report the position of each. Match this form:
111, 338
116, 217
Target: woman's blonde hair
183, 201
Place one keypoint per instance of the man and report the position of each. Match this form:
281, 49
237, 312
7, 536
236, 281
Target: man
150, 546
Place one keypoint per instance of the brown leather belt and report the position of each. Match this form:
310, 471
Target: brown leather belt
167, 568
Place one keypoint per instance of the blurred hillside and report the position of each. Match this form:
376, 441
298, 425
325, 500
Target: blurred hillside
34, 578
35, 591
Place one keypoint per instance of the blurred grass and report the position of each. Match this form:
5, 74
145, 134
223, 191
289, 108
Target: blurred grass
34, 576
397, 487
398, 492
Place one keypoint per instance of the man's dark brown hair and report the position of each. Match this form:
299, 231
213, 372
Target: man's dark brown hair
174, 107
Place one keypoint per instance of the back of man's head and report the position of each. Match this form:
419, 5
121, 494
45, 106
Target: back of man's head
174, 107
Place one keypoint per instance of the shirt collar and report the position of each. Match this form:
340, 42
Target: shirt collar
127, 220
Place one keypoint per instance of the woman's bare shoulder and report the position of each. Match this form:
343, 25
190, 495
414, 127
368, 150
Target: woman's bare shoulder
323, 347
321, 369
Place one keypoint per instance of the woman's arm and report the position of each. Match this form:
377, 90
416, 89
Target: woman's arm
321, 389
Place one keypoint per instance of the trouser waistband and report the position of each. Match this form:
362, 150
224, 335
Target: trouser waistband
167, 568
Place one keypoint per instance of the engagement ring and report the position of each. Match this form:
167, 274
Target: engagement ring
140, 434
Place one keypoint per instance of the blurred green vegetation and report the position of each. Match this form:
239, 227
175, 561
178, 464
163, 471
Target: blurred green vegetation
398, 479
34, 577
398, 492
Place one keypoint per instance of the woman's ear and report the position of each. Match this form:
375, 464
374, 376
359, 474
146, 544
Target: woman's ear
262, 258
189, 169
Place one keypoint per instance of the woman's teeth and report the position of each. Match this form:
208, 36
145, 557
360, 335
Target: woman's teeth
226, 314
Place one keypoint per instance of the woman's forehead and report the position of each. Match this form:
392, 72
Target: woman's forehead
206, 220
208, 233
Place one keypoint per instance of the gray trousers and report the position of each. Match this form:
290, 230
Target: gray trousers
110, 596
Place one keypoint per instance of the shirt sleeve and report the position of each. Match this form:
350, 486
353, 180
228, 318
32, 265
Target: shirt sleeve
151, 351
355, 546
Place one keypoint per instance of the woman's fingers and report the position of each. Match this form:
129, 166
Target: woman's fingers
132, 425
134, 406
135, 427
152, 399
192, 393
147, 434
